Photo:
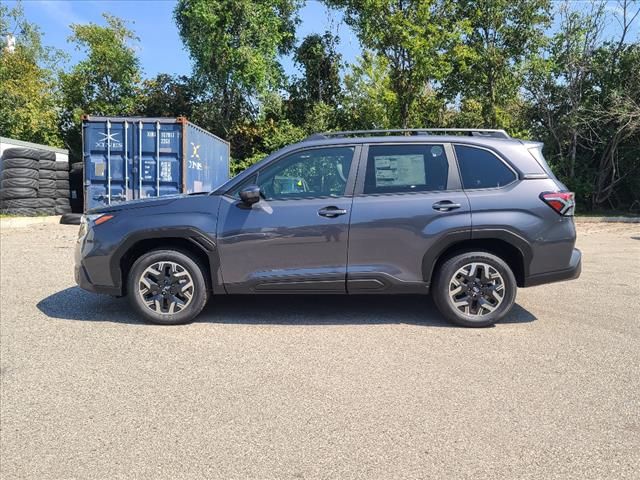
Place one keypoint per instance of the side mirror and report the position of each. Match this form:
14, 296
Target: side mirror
250, 194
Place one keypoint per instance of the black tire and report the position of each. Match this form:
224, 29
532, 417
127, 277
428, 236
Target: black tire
47, 155
62, 167
46, 203
47, 183
63, 193
48, 211
185, 261
21, 152
19, 182
62, 209
76, 168
71, 219
20, 163
444, 302
8, 173
62, 202
47, 193
18, 192
48, 165
62, 184
61, 175
47, 174
20, 203
21, 212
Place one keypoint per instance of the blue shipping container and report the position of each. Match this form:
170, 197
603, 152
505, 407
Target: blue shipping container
127, 158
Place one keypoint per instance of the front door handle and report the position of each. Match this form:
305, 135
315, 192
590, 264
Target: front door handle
445, 206
331, 212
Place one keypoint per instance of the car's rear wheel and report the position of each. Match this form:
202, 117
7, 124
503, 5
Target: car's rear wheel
167, 287
474, 289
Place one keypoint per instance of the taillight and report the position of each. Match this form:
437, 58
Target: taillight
562, 202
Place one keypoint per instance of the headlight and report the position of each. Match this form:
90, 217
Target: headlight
90, 220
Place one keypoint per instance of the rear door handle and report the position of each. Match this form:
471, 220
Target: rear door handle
331, 212
445, 206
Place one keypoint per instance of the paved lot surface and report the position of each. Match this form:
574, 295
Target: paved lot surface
282, 387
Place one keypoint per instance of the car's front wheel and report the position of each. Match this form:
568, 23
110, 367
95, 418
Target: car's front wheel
167, 287
474, 289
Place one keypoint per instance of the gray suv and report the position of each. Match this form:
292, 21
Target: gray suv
466, 215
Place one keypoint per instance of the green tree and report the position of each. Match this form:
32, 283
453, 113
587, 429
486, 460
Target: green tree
235, 46
168, 96
584, 105
28, 89
413, 37
500, 38
612, 117
106, 82
320, 62
368, 98
314, 98
561, 82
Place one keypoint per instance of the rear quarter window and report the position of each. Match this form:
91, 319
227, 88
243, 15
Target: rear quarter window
480, 168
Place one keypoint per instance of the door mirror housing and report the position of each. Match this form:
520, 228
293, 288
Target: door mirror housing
250, 194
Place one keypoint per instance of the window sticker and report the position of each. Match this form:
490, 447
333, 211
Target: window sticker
165, 171
436, 151
399, 170
99, 169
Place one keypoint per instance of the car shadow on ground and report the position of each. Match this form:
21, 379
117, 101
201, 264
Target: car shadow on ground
75, 304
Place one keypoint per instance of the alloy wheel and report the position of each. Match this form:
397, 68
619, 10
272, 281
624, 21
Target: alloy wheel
476, 289
166, 287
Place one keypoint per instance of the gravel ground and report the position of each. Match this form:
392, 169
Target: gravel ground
324, 387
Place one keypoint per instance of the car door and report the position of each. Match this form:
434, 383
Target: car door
295, 237
408, 206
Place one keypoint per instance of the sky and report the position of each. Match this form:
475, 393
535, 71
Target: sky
160, 49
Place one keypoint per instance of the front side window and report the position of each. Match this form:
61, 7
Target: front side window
319, 172
406, 168
482, 169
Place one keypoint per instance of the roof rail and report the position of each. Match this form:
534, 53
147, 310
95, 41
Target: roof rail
474, 132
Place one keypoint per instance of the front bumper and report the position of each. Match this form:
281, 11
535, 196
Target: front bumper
98, 264
84, 282
570, 273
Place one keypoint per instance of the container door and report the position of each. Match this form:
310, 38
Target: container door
207, 160
157, 155
107, 162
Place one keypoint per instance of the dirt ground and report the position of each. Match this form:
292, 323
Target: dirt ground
319, 387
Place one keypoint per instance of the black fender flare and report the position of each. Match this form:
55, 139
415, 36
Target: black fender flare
197, 237
454, 238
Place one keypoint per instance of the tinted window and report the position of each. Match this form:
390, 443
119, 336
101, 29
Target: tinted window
482, 169
319, 172
235, 192
406, 168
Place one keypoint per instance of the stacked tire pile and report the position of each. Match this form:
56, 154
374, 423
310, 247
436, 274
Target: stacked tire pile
33, 183
62, 188
54, 184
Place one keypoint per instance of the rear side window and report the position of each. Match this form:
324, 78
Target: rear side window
406, 168
482, 169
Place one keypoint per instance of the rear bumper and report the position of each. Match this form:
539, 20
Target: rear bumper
570, 273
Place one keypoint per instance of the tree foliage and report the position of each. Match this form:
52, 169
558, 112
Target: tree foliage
105, 82
499, 38
235, 46
28, 87
168, 96
573, 83
413, 37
